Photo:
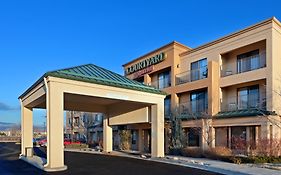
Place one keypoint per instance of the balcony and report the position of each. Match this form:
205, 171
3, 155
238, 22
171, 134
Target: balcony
161, 83
192, 75
244, 65
244, 102
193, 109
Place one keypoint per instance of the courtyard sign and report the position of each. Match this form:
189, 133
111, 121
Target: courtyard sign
146, 63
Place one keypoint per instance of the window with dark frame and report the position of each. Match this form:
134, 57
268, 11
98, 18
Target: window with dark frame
164, 79
199, 101
248, 61
199, 69
248, 97
167, 106
193, 136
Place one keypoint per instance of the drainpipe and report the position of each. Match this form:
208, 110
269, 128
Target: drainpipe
47, 112
22, 144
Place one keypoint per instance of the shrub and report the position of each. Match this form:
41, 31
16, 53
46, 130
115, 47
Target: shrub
175, 151
263, 147
192, 152
236, 160
218, 153
268, 147
76, 146
239, 145
125, 137
258, 159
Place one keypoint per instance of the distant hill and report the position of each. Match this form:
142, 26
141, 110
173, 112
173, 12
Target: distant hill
5, 125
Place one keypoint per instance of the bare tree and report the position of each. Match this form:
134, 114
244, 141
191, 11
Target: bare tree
87, 123
206, 129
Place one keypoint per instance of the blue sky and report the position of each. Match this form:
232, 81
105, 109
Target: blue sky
39, 36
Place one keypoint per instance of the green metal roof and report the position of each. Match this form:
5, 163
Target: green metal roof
94, 74
244, 113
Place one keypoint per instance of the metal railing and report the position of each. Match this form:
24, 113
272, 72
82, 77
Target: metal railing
246, 64
243, 102
192, 75
161, 83
193, 109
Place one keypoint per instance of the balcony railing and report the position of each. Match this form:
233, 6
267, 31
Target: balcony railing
192, 75
161, 83
246, 64
243, 103
193, 109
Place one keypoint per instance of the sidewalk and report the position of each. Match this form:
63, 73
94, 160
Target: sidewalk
199, 163
219, 166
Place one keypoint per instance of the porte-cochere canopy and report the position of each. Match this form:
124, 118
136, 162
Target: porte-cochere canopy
89, 88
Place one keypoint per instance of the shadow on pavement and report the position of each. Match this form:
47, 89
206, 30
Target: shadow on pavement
85, 163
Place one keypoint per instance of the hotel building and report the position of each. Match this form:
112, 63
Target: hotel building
83, 126
226, 88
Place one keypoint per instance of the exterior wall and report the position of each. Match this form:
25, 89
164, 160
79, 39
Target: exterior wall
229, 94
265, 36
229, 59
171, 62
275, 79
84, 130
137, 116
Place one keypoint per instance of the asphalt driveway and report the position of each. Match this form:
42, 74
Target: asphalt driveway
83, 163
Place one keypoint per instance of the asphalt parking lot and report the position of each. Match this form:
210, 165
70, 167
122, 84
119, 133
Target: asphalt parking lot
83, 163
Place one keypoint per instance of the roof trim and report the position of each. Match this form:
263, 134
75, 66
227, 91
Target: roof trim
243, 113
157, 50
101, 81
32, 86
232, 35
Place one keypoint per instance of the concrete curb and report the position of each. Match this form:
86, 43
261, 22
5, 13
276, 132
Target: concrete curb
39, 163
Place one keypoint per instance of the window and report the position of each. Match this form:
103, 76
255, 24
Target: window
248, 97
199, 69
193, 135
199, 101
85, 118
167, 106
238, 137
134, 136
98, 118
140, 79
248, 61
76, 121
164, 80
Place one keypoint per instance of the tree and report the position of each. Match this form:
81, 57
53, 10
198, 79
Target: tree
88, 121
125, 138
177, 136
206, 130
2, 134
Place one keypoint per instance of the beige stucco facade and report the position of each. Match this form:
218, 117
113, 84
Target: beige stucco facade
258, 50
59, 94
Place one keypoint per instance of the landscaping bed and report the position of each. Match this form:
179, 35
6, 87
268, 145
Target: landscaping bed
224, 154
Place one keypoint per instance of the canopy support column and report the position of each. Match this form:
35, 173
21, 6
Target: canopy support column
157, 130
55, 136
107, 135
27, 131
